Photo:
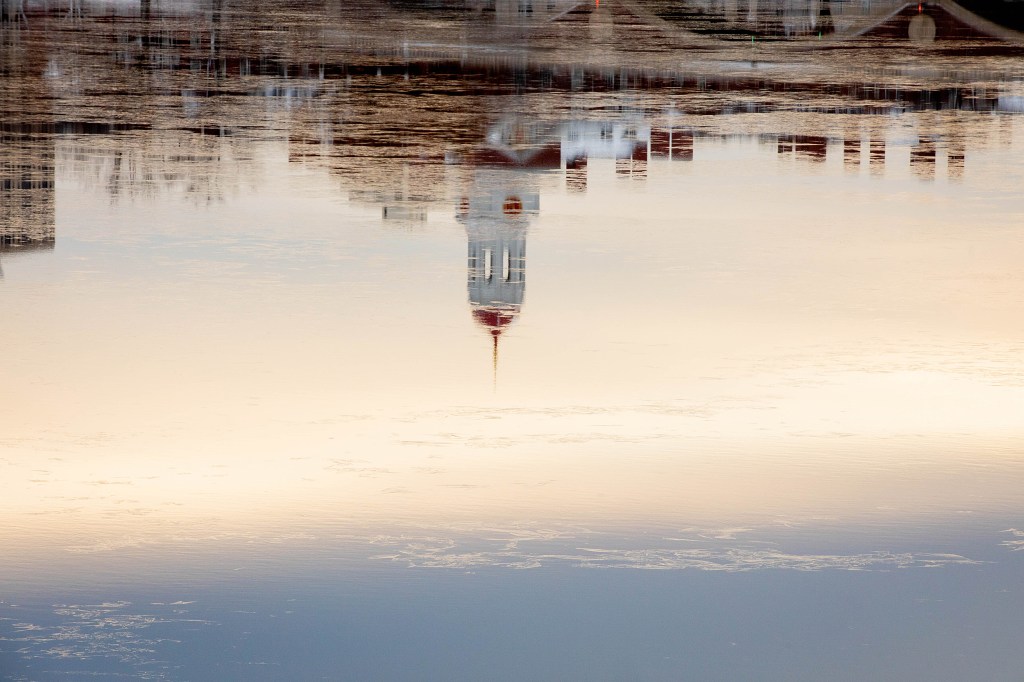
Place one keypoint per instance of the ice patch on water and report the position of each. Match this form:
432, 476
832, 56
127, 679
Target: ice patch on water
1016, 544
100, 634
547, 549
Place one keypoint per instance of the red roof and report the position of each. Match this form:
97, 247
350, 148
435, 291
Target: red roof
495, 320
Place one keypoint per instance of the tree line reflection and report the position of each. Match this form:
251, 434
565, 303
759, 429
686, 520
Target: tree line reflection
724, 19
362, 128
145, 108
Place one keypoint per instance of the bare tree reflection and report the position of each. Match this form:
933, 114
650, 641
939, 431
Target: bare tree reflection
27, 191
199, 168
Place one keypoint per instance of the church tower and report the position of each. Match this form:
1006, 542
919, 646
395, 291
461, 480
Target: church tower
496, 214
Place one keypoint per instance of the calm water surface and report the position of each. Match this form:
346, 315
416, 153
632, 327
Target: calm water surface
495, 340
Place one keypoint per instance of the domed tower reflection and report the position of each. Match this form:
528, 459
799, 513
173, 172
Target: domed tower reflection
496, 213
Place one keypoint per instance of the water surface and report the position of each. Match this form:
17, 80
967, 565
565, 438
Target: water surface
511, 341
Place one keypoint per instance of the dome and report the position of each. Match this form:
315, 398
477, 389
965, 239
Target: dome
495, 319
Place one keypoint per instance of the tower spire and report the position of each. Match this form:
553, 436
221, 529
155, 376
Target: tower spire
494, 357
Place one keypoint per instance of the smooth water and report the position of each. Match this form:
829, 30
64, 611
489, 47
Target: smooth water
511, 341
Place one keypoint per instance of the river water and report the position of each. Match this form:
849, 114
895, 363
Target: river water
511, 341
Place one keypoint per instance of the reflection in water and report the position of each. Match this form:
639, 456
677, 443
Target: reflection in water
432, 552
195, 165
95, 635
769, 371
27, 189
923, 22
496, 215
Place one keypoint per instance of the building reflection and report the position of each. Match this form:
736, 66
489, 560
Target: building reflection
27, 138
665, 124
205, 96
203, 166
405, 171
807, 147
27, 189
672, 143
501, 196
628, 142
918, 23
517, 20
924, 22
496, 213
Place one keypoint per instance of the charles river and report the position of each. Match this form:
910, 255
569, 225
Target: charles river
512, 340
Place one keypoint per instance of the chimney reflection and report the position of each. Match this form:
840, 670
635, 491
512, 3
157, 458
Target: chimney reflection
876, 158
955, 159
634, 165
851, 154
682, 145
808, 147
576, 174
661, 143
922, 159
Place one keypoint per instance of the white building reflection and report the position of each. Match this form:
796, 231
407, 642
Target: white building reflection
496, 212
